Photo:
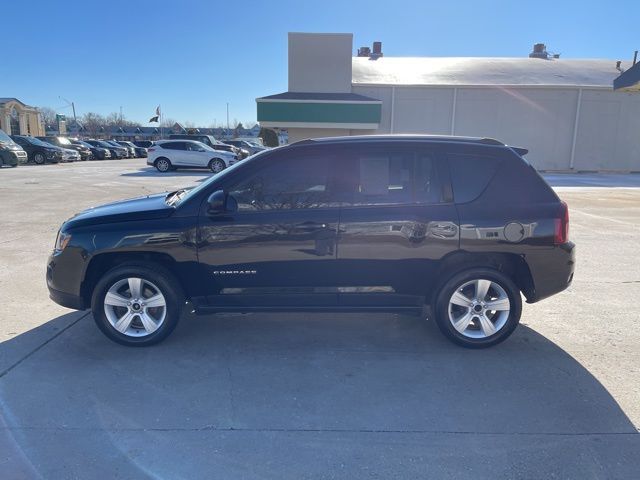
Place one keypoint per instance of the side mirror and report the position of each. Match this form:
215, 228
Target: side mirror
221, 202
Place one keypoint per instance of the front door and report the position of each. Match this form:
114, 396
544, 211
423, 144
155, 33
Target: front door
398, 223
279, 248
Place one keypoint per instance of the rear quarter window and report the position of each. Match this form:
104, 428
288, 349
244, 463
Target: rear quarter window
470, 175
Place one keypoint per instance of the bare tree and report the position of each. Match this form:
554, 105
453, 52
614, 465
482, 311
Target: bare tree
48, 115
168, 123
94, 123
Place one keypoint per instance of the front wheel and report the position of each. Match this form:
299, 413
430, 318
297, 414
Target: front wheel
478, 308
216, 165
137, 305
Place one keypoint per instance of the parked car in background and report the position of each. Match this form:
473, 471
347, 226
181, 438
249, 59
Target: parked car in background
127, 152
143, 143
39, 152
116, 152
464, 226
70, 155
168, 155
245, 145
130, 150
138, 152
97, 153
64, 142
10, 152
212, 142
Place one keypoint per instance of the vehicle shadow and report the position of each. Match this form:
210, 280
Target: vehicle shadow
306, 395
152, 172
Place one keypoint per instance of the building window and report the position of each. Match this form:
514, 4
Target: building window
15, 122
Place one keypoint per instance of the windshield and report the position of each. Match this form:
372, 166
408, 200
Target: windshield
64, 141
36, 141
103, 144
84, 144
214, 178
4, 138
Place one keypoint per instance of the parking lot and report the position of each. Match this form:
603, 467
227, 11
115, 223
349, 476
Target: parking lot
314, 395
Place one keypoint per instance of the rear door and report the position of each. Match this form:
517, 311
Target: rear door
397, 222
177, 153
279, 248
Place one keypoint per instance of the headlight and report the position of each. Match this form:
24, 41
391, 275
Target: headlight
62, 240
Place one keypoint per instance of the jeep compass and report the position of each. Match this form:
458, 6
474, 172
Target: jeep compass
462, 226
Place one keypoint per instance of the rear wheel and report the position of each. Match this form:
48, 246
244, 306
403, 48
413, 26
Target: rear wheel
137, 305
163, 164
478, 308
216, 165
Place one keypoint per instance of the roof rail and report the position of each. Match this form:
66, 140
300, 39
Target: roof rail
383, 137
490, 141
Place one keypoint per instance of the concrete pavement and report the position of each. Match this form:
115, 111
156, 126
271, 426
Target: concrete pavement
315, 396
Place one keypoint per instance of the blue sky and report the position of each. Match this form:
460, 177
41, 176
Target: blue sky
194, 56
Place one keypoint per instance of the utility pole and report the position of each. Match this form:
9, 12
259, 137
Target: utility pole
227, 117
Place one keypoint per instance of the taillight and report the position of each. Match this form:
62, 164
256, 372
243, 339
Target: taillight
561, 226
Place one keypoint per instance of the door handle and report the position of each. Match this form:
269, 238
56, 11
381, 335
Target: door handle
310, 226
444, 230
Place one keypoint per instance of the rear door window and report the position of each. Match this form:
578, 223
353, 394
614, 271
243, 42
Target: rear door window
393, 176
174, 146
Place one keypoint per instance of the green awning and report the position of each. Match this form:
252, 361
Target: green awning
319, 110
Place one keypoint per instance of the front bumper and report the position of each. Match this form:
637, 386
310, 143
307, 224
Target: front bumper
64, 279
67, 300
12, 157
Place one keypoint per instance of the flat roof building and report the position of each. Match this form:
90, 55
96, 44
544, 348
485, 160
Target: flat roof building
565, 111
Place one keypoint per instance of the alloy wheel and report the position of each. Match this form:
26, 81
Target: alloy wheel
135, 307
162, 165
479, 308
217, 166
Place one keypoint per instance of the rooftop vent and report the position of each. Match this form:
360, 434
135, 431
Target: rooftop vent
540, 51
374, 53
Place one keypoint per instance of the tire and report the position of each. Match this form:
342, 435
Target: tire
477, 326
216, 165
163, 165
138, 325
39, 158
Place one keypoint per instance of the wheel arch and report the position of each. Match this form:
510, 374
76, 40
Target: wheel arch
510, 264
103, 262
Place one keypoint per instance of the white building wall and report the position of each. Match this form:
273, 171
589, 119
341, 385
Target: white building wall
609, 131
541, 119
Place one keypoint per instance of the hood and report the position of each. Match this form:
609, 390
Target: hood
140, 208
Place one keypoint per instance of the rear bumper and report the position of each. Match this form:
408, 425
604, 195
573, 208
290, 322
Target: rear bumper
551, 271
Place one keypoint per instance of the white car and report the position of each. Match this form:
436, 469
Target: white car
168, 155
69, 155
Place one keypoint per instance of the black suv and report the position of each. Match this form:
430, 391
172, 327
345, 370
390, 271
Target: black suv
463, 225
64, 142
